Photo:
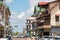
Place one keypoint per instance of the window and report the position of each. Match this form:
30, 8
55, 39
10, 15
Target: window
1, 16
57, 18
46, 33
43, 9
33, 25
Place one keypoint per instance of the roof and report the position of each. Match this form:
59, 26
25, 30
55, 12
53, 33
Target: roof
31, 18
43, 3
57, 13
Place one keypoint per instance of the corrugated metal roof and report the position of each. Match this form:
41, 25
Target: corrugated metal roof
43, 3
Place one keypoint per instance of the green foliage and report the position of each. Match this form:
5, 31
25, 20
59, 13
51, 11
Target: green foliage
1, 3
17, 32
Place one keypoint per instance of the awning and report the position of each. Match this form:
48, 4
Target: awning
39, 27
46, 26
57, 13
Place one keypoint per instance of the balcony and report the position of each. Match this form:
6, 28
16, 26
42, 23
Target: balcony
46, 20
39, 27
45, 13
47, 28
7, 22
2, 23
46, 23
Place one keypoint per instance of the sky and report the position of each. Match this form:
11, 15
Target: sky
20, 10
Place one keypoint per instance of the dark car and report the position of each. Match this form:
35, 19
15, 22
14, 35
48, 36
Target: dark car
9, 37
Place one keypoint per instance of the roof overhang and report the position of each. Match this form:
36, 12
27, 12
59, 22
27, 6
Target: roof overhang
57, 13
43, 3
31, 18
46, 26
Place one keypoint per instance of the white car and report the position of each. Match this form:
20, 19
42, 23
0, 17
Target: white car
14, 36
47, 39
3, 38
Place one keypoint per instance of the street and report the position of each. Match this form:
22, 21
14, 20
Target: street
21, 38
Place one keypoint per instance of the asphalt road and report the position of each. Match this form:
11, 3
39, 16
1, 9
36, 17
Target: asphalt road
21, 38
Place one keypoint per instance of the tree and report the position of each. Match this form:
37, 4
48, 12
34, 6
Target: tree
17, 33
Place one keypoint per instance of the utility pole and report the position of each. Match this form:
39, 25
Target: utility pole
4, 19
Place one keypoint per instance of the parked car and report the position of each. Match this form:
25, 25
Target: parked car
9, 37
47, 38
14, 36
51, 37
3, 38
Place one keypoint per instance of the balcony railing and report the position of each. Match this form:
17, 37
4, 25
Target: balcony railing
46, 23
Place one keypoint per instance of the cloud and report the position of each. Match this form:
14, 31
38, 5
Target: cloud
19, 19
21, 15
8, 1
30, 11
32, 3
13, 12
35, 2
13, 15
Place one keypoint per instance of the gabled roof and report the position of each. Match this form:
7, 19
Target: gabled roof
43, 3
